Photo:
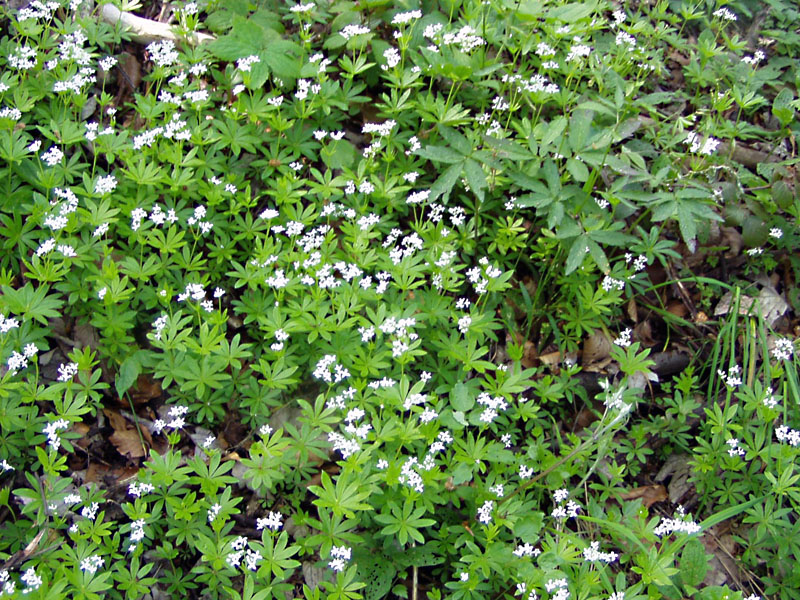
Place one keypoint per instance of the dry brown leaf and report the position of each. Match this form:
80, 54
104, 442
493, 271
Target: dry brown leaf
146, 389
550, 359
677, 308
529, 355
650, 494
643, 333
596, 347
127, 443
633, 311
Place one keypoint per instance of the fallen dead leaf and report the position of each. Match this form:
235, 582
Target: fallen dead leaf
596, 348
126, 437
650, 494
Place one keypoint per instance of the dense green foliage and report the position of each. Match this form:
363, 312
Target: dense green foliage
303, 311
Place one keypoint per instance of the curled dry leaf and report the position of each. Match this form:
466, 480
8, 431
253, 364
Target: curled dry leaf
650, 494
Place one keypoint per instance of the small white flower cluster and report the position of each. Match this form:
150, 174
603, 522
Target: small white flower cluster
788, 436
302, 8
7, 324
17, 361
92, 563
14, 114
493, 406
353, 30
757, 57
53, 156
273, 521
163, 53
409, 476
403, 18
197, 219
770, 400
479, 276
609, 283
9, 585
304, 86
559, 586
724, 14
525, 472
400, 331
93, 131
246, 63
532, 85
340, 556
639, 263
522, 589
485, 512
613, 398
240, 550
696, 144
563, 511
732, 377
105, 185
465, 38
67, 372
137, 489
625, 39
734, 448
176, 414
77, 82
37, 10
680, 525
527, 550
624, 339
329, 370
51, 431
593, 554
213, 512
31, 580
196, 292
392, 57
22, 58
578, 50
783, 349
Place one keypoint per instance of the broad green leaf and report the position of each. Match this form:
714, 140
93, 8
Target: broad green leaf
440, 154
476, 178
577, 252
694, 564
580, 123
445, 183
455, 140
569, 13
461, 398
128, 372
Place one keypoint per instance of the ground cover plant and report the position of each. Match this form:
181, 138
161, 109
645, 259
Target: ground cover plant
340, 300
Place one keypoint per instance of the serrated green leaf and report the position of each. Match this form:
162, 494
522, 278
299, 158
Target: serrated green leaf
476, 178
693, 564
440, 154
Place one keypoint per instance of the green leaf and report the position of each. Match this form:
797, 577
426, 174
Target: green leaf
446, 182
782, 106
128, 373
461, 398
694, 564
454, 139
577, 252
440, 154
476, 178
580, 124
569, 13
528, 528
578, 170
